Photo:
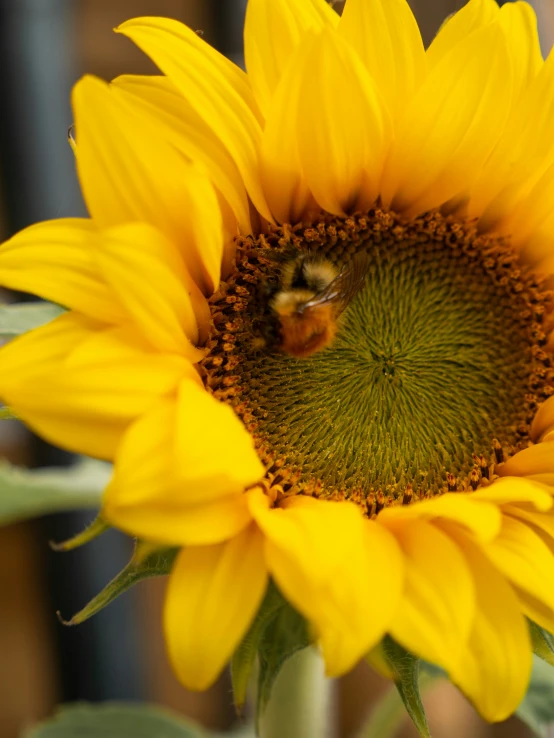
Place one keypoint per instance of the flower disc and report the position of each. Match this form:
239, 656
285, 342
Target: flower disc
436, 364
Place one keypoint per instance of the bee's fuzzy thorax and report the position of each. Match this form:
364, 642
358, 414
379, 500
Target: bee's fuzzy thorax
287, 302
319, 274
308, 272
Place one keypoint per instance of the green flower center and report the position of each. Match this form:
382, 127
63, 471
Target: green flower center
436, 364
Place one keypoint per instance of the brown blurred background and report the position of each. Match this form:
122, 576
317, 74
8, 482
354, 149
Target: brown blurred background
45, 45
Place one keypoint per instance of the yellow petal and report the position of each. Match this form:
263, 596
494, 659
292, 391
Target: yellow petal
188, 450
474, 15
184, 42
130, 173
54, 260
80, 386
343, 128
310, 9
451, 125
387, 38
284, 182
513, 490
157, 99
54, 342
541, 522
537, 607
145, 272
527, 562
229, 461
532, 235
273, 31
231, 229
546, 479
156, 492
173, 523
532, 213
212, 596
481, 518
201, 241
546, 265
217, 89
496, 663
377, 659
538, 459
537, 251
322, 555
523, 153
437, 606
519, 23
543, 420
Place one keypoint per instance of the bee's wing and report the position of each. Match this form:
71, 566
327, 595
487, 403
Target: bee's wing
345, 286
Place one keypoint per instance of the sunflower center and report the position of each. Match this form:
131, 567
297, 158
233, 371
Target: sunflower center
434, 373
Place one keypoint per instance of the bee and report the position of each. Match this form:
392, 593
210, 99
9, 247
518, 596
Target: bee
312, 294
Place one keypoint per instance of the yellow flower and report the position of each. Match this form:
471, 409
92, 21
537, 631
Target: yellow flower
399, 481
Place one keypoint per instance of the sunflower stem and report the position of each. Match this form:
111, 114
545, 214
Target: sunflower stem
302, 700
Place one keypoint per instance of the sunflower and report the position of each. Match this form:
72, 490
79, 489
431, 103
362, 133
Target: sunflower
396, 482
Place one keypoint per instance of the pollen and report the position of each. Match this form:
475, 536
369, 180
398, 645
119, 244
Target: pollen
437, 368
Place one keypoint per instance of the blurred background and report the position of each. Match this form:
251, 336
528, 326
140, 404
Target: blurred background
45, 46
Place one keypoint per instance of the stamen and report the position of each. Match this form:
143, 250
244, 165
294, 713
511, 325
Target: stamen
498, 451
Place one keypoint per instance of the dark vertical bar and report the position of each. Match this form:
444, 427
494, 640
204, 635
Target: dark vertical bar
228, 18
100, 659
38, 68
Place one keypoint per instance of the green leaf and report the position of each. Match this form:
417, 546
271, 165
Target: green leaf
26, 493
115, 720
147, 561
284, 634
389, 713
537, 708
405, 668
22, 317
543, 642
244, 657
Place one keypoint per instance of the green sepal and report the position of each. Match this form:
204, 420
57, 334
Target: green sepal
275, 635
405, 668
92, 531
284, 634
21, 317
543, 642
7, 414
115, 720
156, 562
389, 713
244, 658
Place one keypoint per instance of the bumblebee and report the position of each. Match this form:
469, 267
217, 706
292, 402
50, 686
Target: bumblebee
312, 294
